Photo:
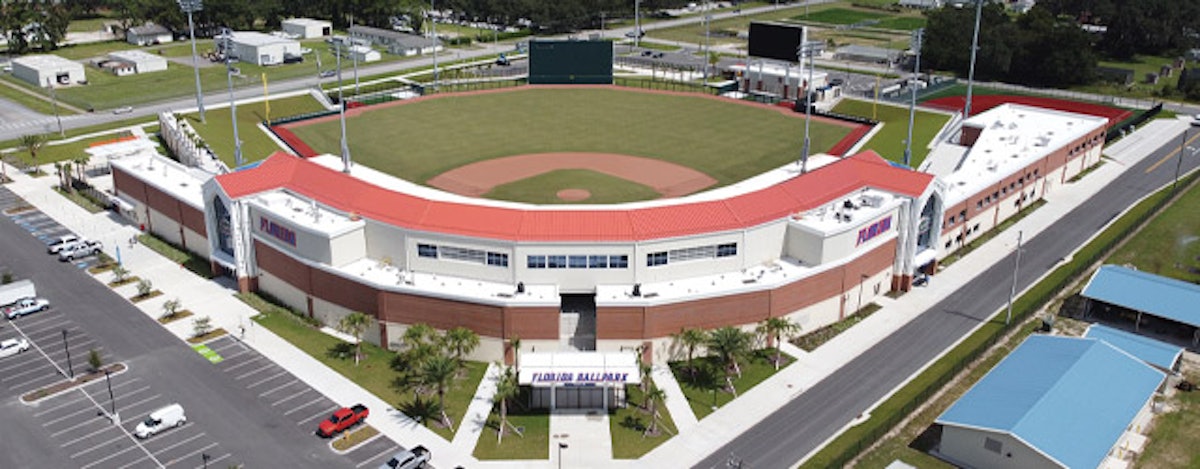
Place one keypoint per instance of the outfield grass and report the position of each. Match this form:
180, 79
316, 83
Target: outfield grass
419, 140
906, 23
374, 372
705, 393
889, 141
541, 189
217, 131
628, 424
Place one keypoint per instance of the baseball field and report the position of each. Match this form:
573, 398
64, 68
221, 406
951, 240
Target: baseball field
572, 144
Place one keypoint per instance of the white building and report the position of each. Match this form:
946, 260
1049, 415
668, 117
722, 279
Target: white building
44, 70
261, 49
148, 34
396, 42
307, 28
142, 62
364, 54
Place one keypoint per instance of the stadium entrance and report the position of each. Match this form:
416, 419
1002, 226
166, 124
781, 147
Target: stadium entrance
578, 380
577, 322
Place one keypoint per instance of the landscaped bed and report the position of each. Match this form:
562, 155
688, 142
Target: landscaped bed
704, 388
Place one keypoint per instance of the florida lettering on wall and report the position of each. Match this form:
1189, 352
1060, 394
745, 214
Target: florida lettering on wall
276, 230
875, 229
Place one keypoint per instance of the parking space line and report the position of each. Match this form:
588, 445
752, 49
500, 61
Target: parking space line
308, 421
36, 346
193, 453
106, 458
52, 422
105, 428
52, 334
38, 382
306, 404
98, 446
85, 344
87, 421
177, 443
253, 372
215, 460
38, 320
226, 346
18, 375
267, 379
15, 365
293, 396
276, 388
247, 362
52, 409
135, 462
377, 456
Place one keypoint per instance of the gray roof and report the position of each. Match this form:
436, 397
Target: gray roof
149, 29
868, 51
393, 36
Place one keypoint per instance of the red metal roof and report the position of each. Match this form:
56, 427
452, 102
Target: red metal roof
797, 194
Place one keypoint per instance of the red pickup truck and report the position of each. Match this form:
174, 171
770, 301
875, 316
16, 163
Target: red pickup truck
342, 419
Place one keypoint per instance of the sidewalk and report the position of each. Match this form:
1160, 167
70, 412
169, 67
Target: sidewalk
696, 440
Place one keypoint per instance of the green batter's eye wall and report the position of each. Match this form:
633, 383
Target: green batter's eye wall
570, 62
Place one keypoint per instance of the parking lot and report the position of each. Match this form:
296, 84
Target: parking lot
52, 337
291, 398
38, 224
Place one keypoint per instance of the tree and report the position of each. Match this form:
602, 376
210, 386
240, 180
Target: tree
515, 343
653, 397
461, 341
32, 144
776, 328
201, 326
170, 308
729, 344
438, 371
506, 388
120, 274
690, 338
81, 166
644, 369
95, 360
144, 287
355, 324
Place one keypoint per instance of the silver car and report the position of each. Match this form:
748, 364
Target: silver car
409, 459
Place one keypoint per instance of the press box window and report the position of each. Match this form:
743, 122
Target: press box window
535, 262
618, 262
427, 250
727, 250
497, 259
557, 262
578, 262
656, 258
597, 262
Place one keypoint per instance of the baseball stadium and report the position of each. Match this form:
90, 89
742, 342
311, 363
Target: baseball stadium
591, 217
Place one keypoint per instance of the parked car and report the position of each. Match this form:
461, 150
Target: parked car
57, 244
81, 248
25, 307
342, 419
12, 347
408, 459
123, 110
159, 420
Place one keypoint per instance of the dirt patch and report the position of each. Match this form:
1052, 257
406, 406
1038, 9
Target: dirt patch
668, 179
573, 195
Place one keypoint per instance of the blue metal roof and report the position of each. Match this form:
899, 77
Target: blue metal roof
1154, 352
1151, 294
1067, 397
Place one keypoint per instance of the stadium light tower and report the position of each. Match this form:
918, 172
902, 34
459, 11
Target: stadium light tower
229, 69
806, 49
433, 29
342, 113
637, 23
189, 7
912, 106
971, 68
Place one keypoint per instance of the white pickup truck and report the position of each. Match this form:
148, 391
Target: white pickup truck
81, 248
26, 306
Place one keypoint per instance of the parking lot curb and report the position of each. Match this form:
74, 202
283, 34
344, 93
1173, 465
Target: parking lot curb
378, 434
35, 402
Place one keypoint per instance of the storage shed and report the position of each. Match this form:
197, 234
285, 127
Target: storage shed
261, 49
148, 34
307, 28
45, 70
396, 42
142, 61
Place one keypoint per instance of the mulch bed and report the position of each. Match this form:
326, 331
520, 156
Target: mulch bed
174, 317
80, 380
141, 298
218, 332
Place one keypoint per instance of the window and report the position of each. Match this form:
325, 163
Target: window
656, 258
427, 250
618, 262
535, 262
727, 250
691, 254
557, 262
597, 262
463, 254
979, 205
578, 262
992, 445
497, 259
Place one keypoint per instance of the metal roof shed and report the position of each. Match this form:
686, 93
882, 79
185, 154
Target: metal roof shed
1157, 353
1054, 401
1147, 293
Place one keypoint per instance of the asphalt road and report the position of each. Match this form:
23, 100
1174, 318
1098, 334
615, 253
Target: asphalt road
797, 428
228, 414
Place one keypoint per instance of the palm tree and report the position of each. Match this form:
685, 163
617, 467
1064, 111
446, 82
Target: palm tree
438, 371
775, 329
461, 341
355, 324
33, 143
506, 388
515, 342
730, 344
644, 369
653, 397
81, 165
691, 338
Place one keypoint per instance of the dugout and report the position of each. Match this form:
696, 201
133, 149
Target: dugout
565, 62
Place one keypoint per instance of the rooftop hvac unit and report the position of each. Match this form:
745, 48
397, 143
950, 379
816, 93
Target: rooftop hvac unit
872, 200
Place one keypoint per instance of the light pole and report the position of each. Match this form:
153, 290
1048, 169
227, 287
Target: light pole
433, 30
561, 446
54, 100
67, 348
971, 69
342, 111
806, 50
115, 416
189, 7
354, 57
862, 279
1016, 267
205, 457
637, 23
237, 143
912, 107
707, 21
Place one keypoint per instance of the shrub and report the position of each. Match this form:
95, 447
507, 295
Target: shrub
144, 288
94, 360
201, 326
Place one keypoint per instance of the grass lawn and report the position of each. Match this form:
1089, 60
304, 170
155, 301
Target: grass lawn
256, 145
906, 23
419, 140
541, 189
33, 103
89, 25
889, 141
705, 393
80, 200
12, 144
840, 16
813, 339
724, 31
628, 425
534, 425
195, 263
1173, 438
90, 50
1170, 244
51, 153
374, 373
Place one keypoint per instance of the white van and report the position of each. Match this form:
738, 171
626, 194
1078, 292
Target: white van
166, 417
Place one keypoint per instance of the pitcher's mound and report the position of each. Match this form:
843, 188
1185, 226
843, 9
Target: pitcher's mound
573, 195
